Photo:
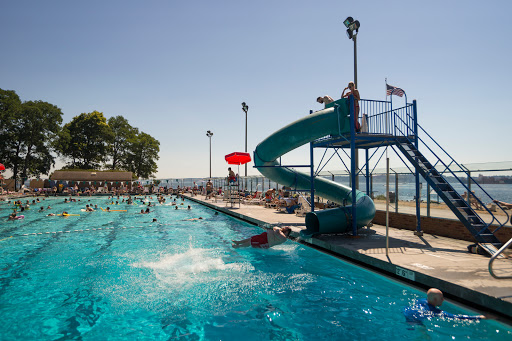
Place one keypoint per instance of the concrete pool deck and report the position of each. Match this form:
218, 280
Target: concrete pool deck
425, 261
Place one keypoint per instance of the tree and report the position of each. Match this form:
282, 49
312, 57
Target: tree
32, 129
84, 140
10, 105
142, 155
123, 132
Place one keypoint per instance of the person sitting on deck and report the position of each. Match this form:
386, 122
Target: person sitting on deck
502, 203
231, 175
269, 194
272, 237
288, 204
472, 200
426, 308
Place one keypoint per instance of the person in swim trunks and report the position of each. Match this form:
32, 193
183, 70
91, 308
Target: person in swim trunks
272, 237
426, 308
353, 91
325, 100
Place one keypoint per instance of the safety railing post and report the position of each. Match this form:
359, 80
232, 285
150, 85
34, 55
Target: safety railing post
417, 173
367, 173
396, 192
353, 165
312, 174
371, 185
428, 200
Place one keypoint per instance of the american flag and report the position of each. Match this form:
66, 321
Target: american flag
389, 89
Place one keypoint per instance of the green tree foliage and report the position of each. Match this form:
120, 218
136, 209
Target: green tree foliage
85, 140
118, 147
31, 129
142, 155
10, 106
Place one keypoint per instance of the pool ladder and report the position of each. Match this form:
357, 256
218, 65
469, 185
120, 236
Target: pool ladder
499, 255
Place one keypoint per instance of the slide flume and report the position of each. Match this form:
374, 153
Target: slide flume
329, 121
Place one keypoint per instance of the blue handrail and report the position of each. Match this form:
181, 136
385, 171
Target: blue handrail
447, 167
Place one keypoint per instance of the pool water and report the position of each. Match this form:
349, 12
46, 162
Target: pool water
120, 276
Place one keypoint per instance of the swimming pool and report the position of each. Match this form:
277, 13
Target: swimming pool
118, 275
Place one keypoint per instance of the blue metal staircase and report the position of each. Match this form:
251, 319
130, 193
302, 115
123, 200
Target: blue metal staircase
460, 207
389, 126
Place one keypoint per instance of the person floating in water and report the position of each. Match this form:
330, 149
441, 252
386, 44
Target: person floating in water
426, 308
272, 237
193, 219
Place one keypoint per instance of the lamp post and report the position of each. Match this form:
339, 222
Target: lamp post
245, 108
210, 134
353, 25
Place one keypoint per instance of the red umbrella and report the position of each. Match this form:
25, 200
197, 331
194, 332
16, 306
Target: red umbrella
2, 167
238, 158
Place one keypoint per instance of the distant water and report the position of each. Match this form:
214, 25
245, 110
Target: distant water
408, 191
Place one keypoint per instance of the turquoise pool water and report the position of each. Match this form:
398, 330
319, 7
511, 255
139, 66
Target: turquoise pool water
119, 276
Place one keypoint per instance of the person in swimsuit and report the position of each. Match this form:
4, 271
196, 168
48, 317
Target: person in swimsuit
353, 91
231, 175
426, 308
272, 237
325, 100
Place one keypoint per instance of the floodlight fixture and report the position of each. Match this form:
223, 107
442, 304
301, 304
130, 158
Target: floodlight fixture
351, 25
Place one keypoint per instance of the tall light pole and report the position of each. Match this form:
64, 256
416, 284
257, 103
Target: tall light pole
245, 108
353, 25
210, 134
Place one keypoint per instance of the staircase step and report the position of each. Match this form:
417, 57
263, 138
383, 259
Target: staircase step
487, 236
473, 222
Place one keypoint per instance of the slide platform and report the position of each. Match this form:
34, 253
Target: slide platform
330, 121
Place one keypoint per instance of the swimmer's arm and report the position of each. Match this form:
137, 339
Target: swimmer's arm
462, 317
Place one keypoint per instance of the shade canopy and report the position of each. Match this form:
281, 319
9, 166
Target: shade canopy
238, 158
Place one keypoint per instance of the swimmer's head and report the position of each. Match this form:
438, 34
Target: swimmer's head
154, 219
286, 230
435, 297
216, 213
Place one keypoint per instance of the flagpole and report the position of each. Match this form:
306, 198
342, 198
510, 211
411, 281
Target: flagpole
386, 81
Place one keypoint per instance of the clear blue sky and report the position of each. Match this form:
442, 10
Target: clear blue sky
176, 69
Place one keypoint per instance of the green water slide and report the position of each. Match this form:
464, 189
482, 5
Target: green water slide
330, 121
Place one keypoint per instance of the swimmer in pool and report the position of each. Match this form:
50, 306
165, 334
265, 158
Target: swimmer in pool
272, 237
193, 219
426, 308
